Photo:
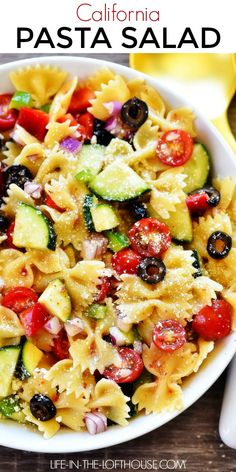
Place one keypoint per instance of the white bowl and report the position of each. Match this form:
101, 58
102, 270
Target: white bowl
224, 164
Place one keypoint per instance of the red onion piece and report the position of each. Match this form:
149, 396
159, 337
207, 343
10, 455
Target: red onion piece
53, 326
74, 326
71, 144
117, 336
113, 107
95, 422
94, 247
111, 123
18, 135
33, 189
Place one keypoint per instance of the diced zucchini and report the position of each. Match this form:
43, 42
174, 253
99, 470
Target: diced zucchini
89, 202
56, 300
117, 240
11, 408
29, 360
33, 229
179, 222
8, 359
104, 217
90, 161
197, 168
96, 311
118, 182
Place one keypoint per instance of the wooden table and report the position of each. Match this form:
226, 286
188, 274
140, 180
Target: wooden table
192, 437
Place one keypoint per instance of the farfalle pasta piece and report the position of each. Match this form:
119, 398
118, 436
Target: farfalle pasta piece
68, 194
41, 81
206, 225
18, 272
58, 131
9, 324
204, 348
110, 400
61, 101
11, 152
204, 291
71, 411
138, 88
102, 76
48, 428
169, 368
81, 282
31, 156
56, 164
71, 380
93, 353
178, 275
115, 90
48, 261
146, 136
224, 270
227, 188
167, 193
37, 383
15, 195
229, 294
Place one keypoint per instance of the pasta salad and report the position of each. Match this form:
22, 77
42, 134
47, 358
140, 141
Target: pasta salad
117, 251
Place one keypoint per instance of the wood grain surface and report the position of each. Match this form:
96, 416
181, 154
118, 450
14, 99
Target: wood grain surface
192, 437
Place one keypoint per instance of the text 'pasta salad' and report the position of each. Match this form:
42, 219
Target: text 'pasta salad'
117, 251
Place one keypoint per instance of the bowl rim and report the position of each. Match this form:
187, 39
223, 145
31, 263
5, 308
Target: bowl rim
31, 441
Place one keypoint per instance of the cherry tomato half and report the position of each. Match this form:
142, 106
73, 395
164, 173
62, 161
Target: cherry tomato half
175, 147
33, 319
8, 116
80, 100
213, 322
50, 202
131, 367
197, 202
150, 237
169, 335
126, 261
19, 299
34, 121
61, 345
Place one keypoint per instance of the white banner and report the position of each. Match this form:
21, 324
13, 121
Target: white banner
104, 26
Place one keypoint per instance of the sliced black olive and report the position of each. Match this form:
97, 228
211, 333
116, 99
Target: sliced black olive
134, 113
152, 270
4, 223
98, 124
18, 175
196, 264
42, 407
213, 194
219, 245
103, 136
138, 210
